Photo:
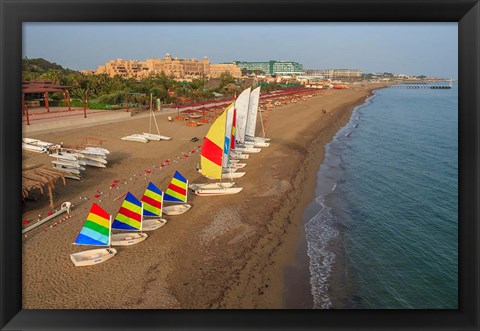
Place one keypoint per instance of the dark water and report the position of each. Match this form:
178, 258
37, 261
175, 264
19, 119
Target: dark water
386, 211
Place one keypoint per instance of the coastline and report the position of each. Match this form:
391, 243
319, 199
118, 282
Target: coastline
198, 260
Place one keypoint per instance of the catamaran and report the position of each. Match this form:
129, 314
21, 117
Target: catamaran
95, 232
216, 149
129, 218
177, 192
152, 201
252, 122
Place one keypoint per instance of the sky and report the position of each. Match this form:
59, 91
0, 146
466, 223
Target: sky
409, 48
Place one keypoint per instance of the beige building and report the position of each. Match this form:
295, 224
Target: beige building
178, 68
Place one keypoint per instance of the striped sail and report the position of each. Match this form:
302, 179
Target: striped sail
234, 129
228, 134
129, 216
96, 230
152, 201
177, 189
212, 148
252, 113
241, 105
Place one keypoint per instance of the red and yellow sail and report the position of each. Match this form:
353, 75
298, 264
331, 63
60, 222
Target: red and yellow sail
212, 148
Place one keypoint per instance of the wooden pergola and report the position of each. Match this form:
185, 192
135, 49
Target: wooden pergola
43, 87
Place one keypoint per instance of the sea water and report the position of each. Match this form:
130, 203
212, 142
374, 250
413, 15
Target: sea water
385, 230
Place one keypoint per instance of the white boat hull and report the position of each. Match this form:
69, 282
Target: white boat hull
95, 150
136, 137
239, 156
95, 164
211, 185
127, 239
64, 156
237, 165
151, 136
32, 148
37, 142
218, 191
256, 144
150, 224
92, 256
257, 139
176, 209
66, 169
247, 149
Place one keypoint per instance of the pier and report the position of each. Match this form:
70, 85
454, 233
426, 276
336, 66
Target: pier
422, 85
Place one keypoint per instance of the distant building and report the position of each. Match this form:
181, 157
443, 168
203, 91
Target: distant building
175, 67
334, 73
272, 67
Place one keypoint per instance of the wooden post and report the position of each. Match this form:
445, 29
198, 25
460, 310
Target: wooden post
23, 103
127, 103
68, 100
26, 112
45, 97
85, 104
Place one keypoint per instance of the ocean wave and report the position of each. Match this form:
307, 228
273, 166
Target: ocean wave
319, 232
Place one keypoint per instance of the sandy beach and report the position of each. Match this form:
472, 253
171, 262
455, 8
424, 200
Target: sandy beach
238, 251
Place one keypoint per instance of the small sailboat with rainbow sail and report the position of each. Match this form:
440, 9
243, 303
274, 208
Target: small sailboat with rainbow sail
129, 218
177, 192
152, 201
95, 232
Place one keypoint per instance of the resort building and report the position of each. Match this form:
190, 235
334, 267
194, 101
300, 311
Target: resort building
334, 73
272, 67
175, 67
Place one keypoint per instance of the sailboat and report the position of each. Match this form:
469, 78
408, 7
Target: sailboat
150, 135
176, 192
214, 150
152, 201
95, 232
241, 107
250, 138
129, 218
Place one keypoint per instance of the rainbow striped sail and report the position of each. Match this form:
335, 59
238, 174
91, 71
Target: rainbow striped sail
152, 201
177, 189
96, 230
228, 134
212, 148
129, 216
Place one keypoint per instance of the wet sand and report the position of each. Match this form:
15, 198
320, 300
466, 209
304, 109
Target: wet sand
226, 252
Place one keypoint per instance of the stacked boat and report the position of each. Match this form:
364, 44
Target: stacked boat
35, 145
72, 161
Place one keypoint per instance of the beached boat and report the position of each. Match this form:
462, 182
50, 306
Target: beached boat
152, 201
238, 156
95, 232
252, 121
250, 143
129, 218
217, 191
68, 164
64, 156
155, 137
93, 163
136, 137
66, 169
211, 185
33, 148
213, 154
237, 165
176, 192
247, 149
37, 142
95, 150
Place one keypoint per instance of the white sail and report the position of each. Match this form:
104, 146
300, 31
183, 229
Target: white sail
241, 105
252, 113
228, 135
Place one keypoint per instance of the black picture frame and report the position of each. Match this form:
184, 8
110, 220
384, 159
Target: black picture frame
13, 13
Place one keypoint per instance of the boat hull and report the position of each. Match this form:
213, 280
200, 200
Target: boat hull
92, 256
150, 224
239, 156
218, 191
128, 239
176, 209
248, 149
211, 185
